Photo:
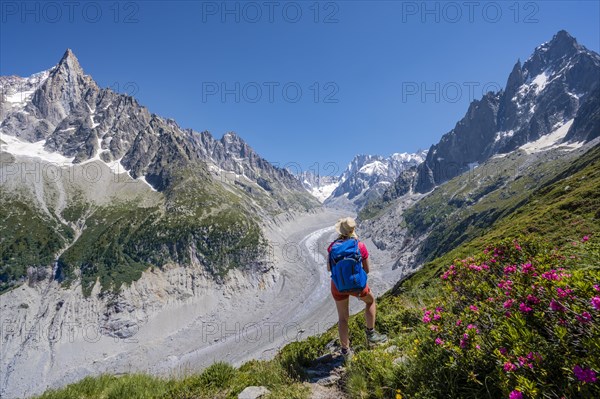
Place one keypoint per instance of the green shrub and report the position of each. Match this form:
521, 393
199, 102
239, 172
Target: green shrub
519, 317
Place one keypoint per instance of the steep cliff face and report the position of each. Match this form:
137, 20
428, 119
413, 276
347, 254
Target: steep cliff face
540, 96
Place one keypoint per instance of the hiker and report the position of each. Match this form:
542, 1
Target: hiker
349, 259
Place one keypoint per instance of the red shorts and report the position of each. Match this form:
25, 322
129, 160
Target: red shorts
339, 296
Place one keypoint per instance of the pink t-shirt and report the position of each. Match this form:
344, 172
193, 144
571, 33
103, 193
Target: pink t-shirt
361, 247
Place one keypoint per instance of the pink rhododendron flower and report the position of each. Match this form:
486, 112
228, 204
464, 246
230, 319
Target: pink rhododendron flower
439, 341
517, 246
595, 301
508, 366
516, 394
533, 299
551, 275
505, 285
508, 304
597, 287
524, 308
474, 308
477, 268
585, 317
556, 306
510, 269
458, 322
527, 268
584, 375
585, 238
503, 351
563, 293
534, 356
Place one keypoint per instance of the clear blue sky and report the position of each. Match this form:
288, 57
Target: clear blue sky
367, 58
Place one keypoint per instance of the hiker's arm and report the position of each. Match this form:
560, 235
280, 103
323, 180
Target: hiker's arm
365, 264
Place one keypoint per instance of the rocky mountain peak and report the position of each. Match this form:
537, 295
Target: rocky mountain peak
540, 96
68, 69
231, 137
553, 54
563, 42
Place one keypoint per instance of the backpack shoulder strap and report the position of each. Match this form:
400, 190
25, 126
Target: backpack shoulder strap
358, 249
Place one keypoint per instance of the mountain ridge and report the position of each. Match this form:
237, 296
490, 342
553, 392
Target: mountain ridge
547, 89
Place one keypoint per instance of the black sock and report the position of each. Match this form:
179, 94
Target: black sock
370, 330
344, 350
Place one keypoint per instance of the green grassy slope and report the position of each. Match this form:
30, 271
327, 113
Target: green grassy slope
198, 219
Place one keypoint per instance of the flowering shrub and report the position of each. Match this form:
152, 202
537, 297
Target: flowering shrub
520, 319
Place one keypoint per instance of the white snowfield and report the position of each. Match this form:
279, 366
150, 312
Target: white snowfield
551, 140
17, 147
540, 82
375, 167
323, 192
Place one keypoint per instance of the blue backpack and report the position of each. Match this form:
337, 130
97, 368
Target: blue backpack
346, 266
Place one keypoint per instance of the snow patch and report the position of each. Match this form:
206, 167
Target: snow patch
143, 179
324, 192
540, 82
20, 97
376, 167
17, 147
549, 140
503, 135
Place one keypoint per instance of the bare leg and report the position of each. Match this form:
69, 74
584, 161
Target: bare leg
343, 316
370, 309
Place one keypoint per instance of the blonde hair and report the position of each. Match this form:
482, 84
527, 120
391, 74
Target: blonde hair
345, 237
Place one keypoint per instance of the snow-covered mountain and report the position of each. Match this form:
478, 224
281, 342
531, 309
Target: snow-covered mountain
319, 186
64, 113
368, 176
552, 99
87, 152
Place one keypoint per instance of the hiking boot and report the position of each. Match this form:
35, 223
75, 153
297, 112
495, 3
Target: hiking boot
347, 354
375, 338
